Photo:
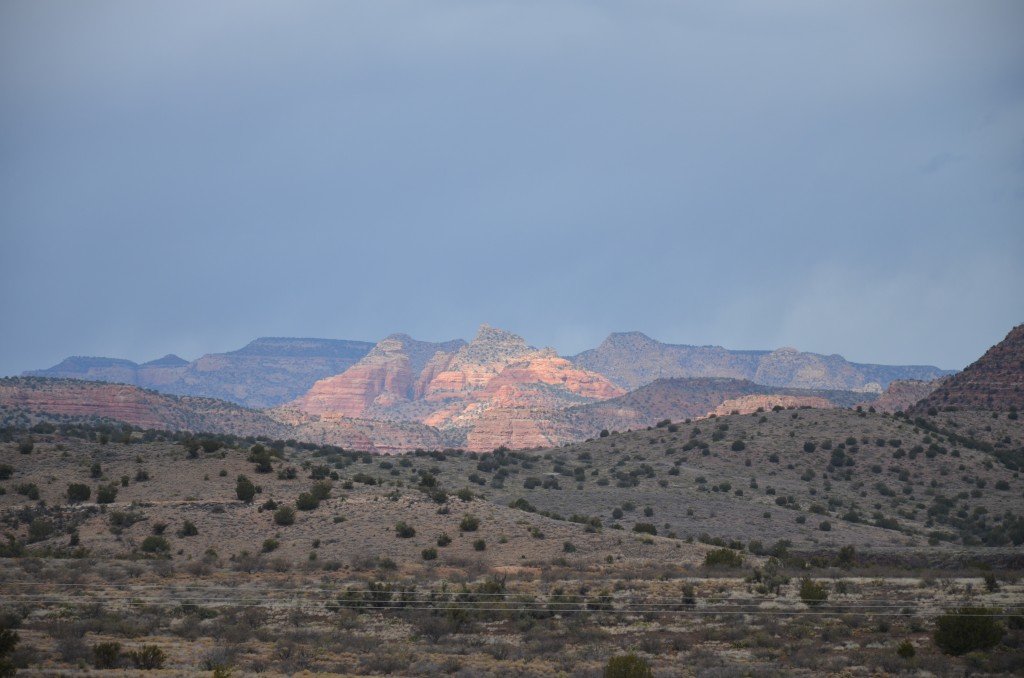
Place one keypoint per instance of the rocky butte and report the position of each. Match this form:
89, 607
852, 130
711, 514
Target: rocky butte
496, 378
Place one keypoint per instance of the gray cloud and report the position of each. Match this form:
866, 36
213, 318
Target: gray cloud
183, 177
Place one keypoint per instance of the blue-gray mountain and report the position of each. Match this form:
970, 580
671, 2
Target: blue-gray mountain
271, 371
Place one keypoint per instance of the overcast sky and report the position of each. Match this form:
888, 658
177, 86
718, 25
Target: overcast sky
185, 176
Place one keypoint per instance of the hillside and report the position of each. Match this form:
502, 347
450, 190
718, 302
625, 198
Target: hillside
30, 398
266, 372
689, 398
632, 359
830, 538
993, 382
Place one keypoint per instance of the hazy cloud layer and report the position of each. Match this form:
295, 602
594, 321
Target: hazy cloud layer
187, 176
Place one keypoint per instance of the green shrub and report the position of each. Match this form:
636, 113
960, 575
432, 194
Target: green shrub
78, 492
723, 558
306, 502
30, 490
404, 531
106, 494
155, 544
39, 529
321, 490
627, 666
284, 515
429, 554
148, 658
966, 629
188, 529
443, 539
105, 655
906, 650
270, 545
244, 489
469, 523
812, 593
479, 545
645, 528
6, 471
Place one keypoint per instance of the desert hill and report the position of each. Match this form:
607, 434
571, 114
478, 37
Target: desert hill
60, 399
632, 359
993, 382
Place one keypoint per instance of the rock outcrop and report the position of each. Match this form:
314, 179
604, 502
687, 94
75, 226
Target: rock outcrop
385, 377
754, 403
903, 394
496, 381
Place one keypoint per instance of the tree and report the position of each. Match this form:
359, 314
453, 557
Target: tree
306, 502
965, 629
188, 529
627, 666
148, 657
78, 492
404, 531
812, 593
244, 489
106, 494
155, 544
284, 515
105, 655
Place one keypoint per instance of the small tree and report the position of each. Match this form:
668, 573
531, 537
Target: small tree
78, 492
155, 544
244, 489
188, 529
284, 515
306, 502
966, 629
404, 531
627, 666
812, 593
105, 655
106, 494
148, 658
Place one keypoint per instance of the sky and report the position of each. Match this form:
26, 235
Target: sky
841, 177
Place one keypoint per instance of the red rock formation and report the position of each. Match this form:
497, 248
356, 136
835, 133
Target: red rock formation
751, 403
135, 406
455, 389
903, 394
515, 428
385, 377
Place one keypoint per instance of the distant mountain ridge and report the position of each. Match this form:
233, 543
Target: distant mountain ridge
632, 359
265, 372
